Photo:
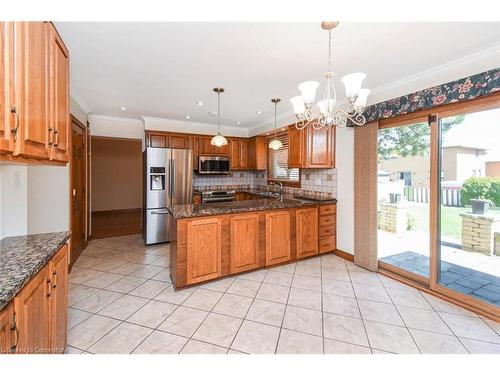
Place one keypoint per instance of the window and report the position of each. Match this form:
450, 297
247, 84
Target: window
278, 161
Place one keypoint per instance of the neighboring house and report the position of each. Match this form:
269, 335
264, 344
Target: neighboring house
493, 169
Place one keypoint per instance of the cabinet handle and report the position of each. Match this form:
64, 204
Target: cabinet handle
50, 137
50, 288
55, 279
16, 128
56, 143
16, 332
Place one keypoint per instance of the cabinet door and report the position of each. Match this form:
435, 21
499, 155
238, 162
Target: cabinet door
204, 146
307, 231
244, 241
6, 85
59, 96
32, 90
157, 139
244, 154
296, 147
277, 237
203, 250
235, 154
178, 141
193, 146
319, 147
222, 150
252, 153
32, 314
7, 336
58, 272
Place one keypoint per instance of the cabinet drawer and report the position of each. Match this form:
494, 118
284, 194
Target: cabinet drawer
327, 221
327, 209
326, 231
327, 244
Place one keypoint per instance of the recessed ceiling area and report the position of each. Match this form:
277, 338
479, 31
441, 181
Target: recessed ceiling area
167, 69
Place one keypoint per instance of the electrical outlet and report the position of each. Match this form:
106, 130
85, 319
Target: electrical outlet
16, 178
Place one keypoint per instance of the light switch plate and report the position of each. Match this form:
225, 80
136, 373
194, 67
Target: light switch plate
16, 178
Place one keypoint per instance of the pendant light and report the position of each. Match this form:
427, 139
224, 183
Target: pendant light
218, 140
275, 144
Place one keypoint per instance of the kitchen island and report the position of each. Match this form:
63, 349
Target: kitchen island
213, 240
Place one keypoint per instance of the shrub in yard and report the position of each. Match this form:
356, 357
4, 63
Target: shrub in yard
481, 188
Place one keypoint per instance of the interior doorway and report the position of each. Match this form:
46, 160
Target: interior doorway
78, 189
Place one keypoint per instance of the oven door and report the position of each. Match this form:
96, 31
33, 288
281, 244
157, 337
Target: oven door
213, 165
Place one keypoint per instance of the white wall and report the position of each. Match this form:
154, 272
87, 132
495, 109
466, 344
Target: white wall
13, 199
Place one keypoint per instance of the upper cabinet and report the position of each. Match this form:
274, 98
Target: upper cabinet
257, 153
34, 93
310, 148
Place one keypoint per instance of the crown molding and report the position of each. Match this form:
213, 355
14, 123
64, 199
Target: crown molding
93, 117
165, 124
79, 100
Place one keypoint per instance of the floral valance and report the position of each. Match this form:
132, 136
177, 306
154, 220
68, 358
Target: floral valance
460, 90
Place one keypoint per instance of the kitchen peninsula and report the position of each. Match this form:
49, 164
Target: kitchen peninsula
213, 240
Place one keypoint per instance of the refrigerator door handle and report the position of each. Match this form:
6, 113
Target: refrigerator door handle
172, 179
162, 212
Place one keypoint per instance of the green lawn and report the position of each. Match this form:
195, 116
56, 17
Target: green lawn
451, 221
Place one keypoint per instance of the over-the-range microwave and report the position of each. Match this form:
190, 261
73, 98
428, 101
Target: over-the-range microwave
213, 165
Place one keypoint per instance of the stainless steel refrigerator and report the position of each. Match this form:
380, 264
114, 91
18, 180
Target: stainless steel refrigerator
168, 181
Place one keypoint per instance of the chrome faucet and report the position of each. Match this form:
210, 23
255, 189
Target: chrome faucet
278, 184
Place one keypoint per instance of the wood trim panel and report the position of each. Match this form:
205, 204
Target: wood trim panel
6, 323
344, 255
434, 200
365, 195
58, 273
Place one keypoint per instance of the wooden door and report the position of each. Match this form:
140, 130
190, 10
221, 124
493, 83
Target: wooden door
277, 237
235, 153
307, 231
7, 335
157, 139
204, 145
78, 189
32, 314
244, 243
32, 90
320, 150
58, 272
244, 154
203, 258
6, 85
296, 147
59, 96
178, 141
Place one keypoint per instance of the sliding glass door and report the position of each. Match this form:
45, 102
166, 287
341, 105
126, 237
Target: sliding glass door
469, 216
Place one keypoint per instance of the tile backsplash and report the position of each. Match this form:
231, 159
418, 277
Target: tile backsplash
313, 180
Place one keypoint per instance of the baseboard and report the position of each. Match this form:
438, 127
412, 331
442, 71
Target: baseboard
115, 212
343, 254
113, 223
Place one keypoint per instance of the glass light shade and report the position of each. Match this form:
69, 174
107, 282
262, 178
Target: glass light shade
352, 83
218, 140
362, 97
275, 144
298, 105
325, 106
308, 91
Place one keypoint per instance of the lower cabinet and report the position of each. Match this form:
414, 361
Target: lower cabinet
307, 231
203, 256
278, 227
35, 322
244, 248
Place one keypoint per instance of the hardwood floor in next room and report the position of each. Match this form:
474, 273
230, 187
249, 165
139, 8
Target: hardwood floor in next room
121, 301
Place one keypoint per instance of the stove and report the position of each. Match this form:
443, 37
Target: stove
215, 196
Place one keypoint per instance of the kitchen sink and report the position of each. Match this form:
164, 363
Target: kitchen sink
270, 194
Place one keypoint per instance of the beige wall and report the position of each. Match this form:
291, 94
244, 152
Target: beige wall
116, 174
493, 168
418, 165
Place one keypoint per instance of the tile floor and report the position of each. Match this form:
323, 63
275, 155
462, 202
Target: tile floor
121, 301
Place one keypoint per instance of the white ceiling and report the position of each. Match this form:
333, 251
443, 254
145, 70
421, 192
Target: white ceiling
163, 69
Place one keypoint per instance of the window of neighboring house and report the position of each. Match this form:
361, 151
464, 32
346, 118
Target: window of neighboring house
277, 162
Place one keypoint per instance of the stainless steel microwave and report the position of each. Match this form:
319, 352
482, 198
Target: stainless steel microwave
213, 165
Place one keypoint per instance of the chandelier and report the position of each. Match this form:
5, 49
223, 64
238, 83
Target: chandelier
275, 144
218, 140
327, 116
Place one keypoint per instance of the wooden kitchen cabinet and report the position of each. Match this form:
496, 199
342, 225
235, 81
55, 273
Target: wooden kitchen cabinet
244, 243
7, 334
156, 139
31, 312
278, 228
310, 148
59, 96
204, 145
307, 231
239, 154
58, 273
193, 146
257, 153
203, 258
6, 86
176, 140
327, 230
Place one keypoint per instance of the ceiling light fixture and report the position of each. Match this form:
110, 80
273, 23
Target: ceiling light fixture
218, 140
238, 122
327, 116
258, 111
275, 144
199, 104
188, 117
123, 108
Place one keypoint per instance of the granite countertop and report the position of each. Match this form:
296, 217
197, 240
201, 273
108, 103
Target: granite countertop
21, 257
266, 203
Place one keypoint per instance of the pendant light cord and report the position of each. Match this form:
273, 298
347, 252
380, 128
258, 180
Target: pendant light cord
329, 50
275, 105
218, 110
